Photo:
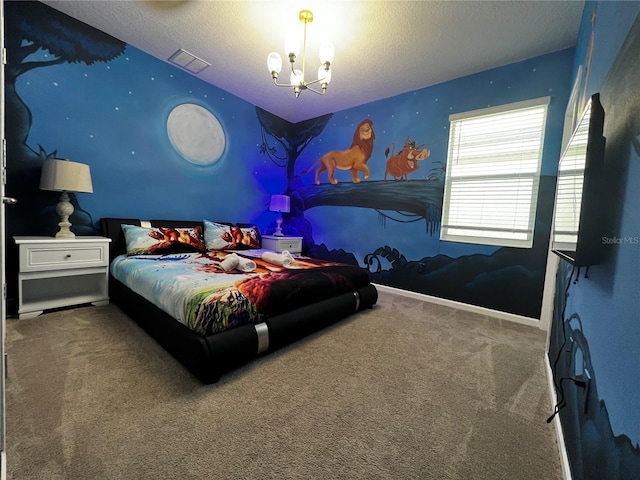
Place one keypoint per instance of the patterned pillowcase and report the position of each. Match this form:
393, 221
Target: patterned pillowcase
161, 240
218, 236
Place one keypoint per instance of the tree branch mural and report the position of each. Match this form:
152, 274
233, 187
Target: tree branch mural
413, 201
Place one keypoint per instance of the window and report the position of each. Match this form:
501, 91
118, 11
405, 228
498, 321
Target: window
493, 171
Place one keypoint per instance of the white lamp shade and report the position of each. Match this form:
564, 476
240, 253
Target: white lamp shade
65, 176
324, 75
327, 52
274, 62
279, 203
291, 45
296, 77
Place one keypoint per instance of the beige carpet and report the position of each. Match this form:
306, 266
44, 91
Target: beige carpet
407, 390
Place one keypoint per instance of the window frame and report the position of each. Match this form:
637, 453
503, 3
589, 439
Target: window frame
527, 182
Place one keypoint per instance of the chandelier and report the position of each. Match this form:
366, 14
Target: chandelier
297, 78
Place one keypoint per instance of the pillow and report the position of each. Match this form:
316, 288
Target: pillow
218, 236
254, 232
159, 240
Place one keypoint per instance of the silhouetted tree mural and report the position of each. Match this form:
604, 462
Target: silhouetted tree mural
33, 27
30, 27
292, 139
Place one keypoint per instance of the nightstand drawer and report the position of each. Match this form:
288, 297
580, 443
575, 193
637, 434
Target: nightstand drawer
278, 244
291, 244
34, 258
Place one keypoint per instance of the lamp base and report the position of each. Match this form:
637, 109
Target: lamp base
64, 231
64, 208
278, 232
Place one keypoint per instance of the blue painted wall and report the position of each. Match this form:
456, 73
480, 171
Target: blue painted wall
112, 114
596, 328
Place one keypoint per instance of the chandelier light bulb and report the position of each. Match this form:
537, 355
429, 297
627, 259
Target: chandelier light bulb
291, 45
296, 77
324, 75
327, 52
274, 62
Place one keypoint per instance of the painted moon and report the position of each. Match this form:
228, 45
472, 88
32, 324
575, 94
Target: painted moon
196, 134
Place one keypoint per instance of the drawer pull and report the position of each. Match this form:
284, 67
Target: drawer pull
68, 255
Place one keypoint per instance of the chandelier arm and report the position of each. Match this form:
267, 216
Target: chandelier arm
275, 82
324, 90
315, 81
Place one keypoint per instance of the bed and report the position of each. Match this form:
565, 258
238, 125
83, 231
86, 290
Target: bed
304, 295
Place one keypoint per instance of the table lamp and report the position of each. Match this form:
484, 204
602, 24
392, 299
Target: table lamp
279, 203
65, 176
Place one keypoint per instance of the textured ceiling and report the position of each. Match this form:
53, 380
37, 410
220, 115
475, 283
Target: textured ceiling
383, 48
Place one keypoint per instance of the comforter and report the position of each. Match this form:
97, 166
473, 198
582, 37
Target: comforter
195, 290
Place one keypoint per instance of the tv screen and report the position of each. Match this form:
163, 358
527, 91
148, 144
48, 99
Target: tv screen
578, 207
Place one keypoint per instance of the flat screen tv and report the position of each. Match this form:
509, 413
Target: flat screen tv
579, 206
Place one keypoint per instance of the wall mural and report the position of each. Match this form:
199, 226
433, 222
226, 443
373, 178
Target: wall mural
353, 159
196, 134
594, 451
400, 165
75, 92
32, 27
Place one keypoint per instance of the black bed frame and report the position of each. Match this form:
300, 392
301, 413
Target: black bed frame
208, 357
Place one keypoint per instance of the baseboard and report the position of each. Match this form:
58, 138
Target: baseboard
562, 448
532, 322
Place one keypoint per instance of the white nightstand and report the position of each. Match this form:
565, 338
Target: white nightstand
57, 273
278, 244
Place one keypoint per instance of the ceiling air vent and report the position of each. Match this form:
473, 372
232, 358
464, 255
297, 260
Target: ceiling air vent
189, 62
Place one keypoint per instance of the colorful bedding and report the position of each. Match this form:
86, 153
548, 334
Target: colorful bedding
195, 290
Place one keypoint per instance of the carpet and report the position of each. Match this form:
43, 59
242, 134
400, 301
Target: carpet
406, 390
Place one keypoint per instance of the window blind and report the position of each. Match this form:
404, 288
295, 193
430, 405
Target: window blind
493, 172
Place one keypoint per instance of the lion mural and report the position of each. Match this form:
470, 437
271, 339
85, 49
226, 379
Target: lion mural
354, 159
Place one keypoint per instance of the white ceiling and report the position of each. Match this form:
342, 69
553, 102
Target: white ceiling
383, 48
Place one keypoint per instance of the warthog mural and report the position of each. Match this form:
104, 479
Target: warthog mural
406, 161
